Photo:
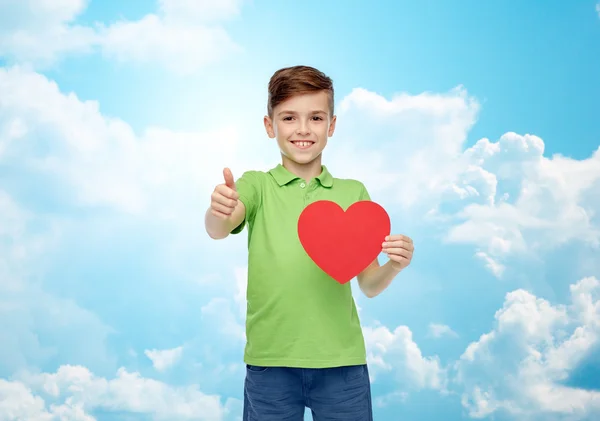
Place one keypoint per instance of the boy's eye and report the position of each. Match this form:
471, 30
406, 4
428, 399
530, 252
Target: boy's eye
289, 118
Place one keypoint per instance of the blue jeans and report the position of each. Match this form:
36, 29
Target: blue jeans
283, 393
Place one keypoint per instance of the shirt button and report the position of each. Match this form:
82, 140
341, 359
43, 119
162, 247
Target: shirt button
302, 185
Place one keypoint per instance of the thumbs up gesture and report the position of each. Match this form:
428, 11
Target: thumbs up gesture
224, 198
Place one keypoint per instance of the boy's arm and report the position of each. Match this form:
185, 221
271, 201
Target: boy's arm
219, 228
375, 278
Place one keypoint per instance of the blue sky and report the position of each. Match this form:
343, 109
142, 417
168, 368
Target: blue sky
474, 124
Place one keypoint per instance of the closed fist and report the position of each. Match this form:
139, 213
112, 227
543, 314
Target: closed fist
224, 198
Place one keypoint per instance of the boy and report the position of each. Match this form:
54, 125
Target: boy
304, 346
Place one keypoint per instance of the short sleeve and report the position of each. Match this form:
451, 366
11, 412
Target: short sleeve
248, 187
364, 194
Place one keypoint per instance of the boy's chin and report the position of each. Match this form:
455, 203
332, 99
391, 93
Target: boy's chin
303, 159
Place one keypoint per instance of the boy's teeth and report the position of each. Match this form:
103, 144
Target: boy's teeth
303, 144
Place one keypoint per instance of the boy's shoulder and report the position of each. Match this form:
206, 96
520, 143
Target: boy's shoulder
348, 182
254, 175
354, 181
351, 188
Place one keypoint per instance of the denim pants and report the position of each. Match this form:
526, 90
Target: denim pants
283, 393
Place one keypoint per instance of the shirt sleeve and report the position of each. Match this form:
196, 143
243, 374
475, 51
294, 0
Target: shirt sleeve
364, 194
249, 188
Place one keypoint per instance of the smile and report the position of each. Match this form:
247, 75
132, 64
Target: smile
302, 144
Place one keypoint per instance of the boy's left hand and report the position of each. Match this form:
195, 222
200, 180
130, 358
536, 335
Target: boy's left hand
399, 249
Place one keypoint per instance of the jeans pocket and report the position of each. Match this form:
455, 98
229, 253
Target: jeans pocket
256, 368
353, 372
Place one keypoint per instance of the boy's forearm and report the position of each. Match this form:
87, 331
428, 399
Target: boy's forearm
217, 228
375, 280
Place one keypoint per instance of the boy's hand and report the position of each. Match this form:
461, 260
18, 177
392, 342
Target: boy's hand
399, 249
224, 198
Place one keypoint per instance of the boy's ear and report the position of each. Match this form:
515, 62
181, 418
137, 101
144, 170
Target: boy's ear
269, 126
332, 126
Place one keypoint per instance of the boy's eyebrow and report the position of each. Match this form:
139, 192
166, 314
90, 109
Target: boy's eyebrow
294, 112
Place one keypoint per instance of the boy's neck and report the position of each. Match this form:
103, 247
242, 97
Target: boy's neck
304, 171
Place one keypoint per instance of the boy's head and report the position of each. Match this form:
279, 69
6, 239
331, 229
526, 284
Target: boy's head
298, 80
300, 112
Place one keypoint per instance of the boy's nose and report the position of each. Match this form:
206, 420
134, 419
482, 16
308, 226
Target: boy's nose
303, 130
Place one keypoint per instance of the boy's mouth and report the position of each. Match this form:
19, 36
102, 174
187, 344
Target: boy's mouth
303, 144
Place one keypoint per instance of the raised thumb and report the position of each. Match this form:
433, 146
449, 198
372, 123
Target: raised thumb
229, 182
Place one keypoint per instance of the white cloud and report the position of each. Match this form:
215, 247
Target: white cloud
38, 326
490, 263
555, 201
228, 315
182, 35
419, 137
38, 31
17, 247
598, 9
199, 10
80, 390
152, 40
219, 312
504, 197
164, 359
17, 403
100, 159
395, 352
91, 161
241, 284
533, 348
389, 399
437, 330
70, 412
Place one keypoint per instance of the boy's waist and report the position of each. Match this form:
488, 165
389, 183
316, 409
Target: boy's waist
299, 362
304, 346
320, 339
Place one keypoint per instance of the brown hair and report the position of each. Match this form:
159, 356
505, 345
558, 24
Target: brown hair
296, 80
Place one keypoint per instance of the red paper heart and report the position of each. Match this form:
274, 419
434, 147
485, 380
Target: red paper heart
342, 243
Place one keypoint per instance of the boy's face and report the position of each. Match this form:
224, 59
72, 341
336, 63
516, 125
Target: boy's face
302, 125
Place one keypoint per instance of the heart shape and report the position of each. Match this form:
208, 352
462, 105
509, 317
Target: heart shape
342, 243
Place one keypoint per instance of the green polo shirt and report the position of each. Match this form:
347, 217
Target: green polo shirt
297, 315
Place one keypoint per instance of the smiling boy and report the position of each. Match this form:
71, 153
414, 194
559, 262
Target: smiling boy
304, 342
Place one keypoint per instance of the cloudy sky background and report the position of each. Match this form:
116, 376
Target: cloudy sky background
475, 125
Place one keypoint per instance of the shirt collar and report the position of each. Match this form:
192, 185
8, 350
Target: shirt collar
282, 176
